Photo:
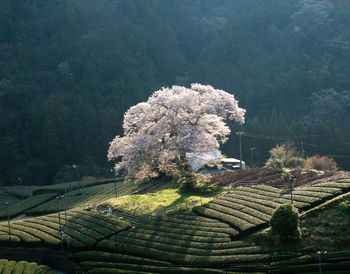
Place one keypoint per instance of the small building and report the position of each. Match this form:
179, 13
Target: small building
212, 162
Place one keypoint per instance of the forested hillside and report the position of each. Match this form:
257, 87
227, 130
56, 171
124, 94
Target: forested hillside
70, 69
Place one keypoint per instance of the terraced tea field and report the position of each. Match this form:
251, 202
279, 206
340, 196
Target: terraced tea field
41, 200
249, 208
212, 238
24, 267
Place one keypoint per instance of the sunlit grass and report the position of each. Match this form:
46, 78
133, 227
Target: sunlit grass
168, 197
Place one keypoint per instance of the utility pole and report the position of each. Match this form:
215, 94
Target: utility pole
77, 174
240, 147
8, 218
58, 197
291, 179
302, 149
65, 223
252, 149
319, 253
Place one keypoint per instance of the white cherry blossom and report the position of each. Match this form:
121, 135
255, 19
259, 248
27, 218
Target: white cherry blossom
172, 122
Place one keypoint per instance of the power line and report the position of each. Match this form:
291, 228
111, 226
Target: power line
323, 147
259, 136
339, 156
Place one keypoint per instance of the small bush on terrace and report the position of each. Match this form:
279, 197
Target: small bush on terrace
285, 223
321, 163
284, 155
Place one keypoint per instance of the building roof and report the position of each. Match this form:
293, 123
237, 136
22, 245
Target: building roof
199, 159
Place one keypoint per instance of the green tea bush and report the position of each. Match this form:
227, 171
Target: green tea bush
285, 222
185, 243
198, 227
345, 206
178, 236
254, 205
270, 205
224, 217
236, 213
114, 257
248, 209
184, 231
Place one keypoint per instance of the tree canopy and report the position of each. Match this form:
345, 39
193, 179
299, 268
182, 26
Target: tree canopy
70, 69
172, 122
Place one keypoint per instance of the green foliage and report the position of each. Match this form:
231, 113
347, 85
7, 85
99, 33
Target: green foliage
225, 217
284, 156
24, 267
345, 206
61, 94
285, 222
115, 257
84, 195
26, 204
83, 229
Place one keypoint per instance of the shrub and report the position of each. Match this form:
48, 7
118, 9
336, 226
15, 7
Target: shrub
345, 206
285, 222
321, 163
284, 156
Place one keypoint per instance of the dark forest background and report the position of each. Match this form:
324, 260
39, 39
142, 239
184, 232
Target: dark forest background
69, 69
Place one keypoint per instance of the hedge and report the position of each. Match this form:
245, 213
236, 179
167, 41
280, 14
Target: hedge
256, 195
113, 270
266, 188
89, 236
177, 236
184, 231
236, 213
183, 259
23, 205
107, 267
316, 188
280, 199
312, 258
93, 226
194, 217
269, 205
5, 237
305, 199
340, 266
172, 247
317, 194
8, 267
114, 257
49, 236
30, 268
252, 205
44, 269
235, 221
244, 208
189, 243
73, 235
203, 223
26, 237
86, 195
19, 267
266, 195
112, 223
163, 224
